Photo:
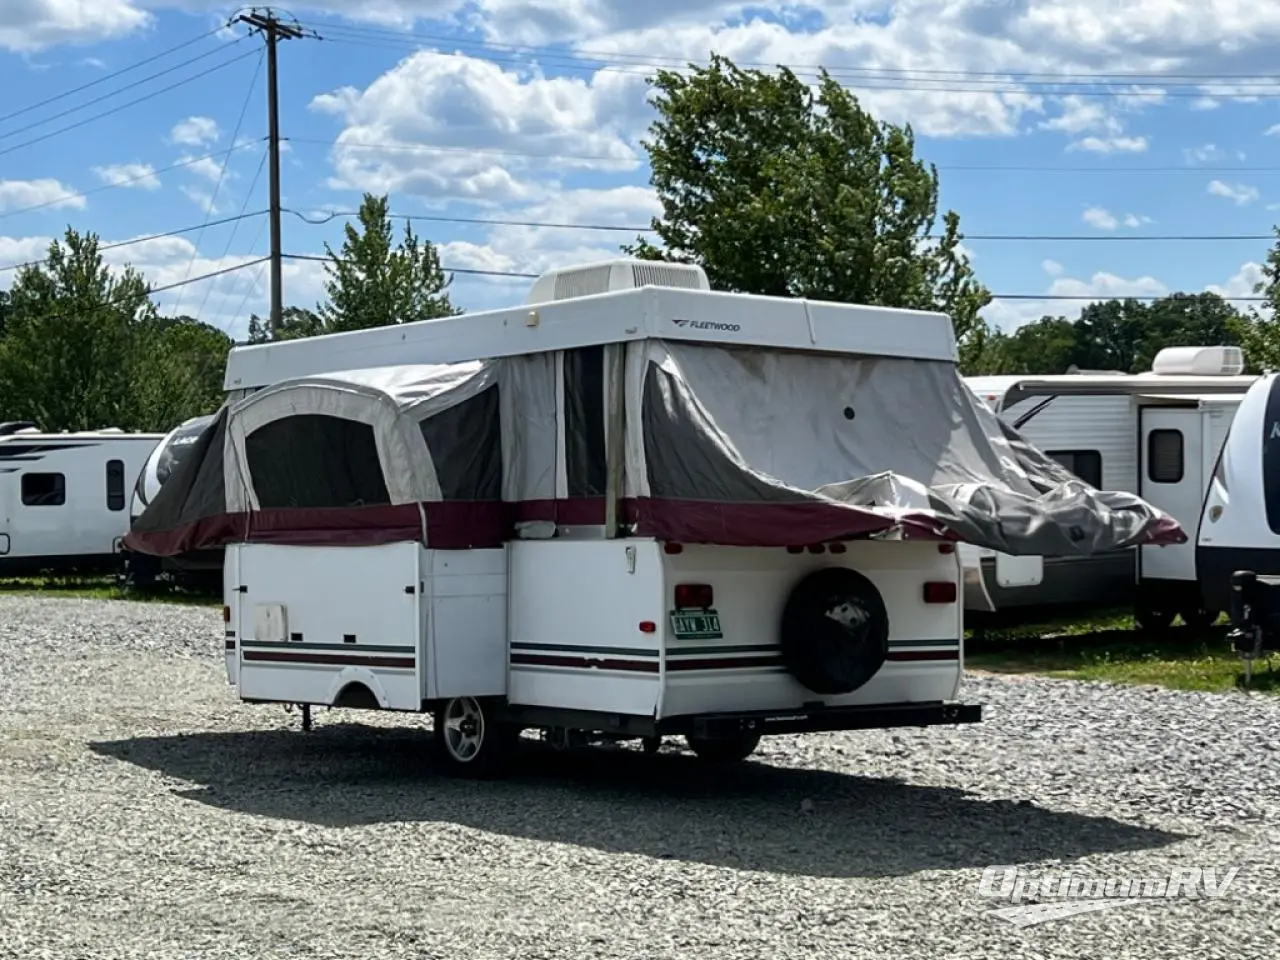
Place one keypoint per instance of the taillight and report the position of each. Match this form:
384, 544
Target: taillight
694, 596
940, 591
226, 614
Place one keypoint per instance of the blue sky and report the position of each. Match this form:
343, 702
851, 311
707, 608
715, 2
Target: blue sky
532, 110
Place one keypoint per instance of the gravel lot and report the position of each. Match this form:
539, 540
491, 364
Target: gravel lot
145, 813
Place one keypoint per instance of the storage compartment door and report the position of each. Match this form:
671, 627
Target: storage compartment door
1018, 571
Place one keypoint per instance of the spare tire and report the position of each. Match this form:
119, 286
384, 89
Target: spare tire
835, 631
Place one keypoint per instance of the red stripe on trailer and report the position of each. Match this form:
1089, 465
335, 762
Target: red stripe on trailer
583, 663
337, 659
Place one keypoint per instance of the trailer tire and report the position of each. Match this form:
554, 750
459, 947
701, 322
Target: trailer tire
471, 741
835, 631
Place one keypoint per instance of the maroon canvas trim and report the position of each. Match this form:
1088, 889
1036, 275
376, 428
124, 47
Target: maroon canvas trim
459, 525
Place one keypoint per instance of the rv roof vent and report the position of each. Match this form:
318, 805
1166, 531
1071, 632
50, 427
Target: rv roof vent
609, 275
14, 426
1199, 361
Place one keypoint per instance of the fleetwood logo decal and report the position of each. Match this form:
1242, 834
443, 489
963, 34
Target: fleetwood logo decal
706, 325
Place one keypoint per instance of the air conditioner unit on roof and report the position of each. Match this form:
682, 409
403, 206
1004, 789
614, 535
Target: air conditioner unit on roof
607, 276
1199, 361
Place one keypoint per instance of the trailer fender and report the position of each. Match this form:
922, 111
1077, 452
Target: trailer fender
346, 686
835, 631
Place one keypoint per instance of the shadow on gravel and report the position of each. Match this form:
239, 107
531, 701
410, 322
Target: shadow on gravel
622, 801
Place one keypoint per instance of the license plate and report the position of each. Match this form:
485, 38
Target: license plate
696, 626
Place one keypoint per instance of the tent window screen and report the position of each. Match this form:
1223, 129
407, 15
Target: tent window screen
1164, 456
315, 461
44, 489
584, 406
1085, 464
465, 443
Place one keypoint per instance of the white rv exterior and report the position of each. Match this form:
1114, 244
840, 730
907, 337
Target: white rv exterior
1156, 434
64, 498
576, 631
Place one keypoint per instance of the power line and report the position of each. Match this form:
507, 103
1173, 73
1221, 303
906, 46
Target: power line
616, 228
226, 163
997, 296
1122, 76
262, 162
142, 240
125, 106
253, 281
110, 76
108, 96
867, 83
124, 182
475, 273
136, 240
605, 158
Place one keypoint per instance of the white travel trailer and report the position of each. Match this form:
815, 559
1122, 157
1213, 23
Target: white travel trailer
1155, 434
64, 498
195, 568
626, 512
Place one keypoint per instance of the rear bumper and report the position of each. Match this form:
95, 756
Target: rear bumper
825, 719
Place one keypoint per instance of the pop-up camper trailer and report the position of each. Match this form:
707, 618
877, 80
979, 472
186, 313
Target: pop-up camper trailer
64, 498
1155, 434
197, 568
631, 512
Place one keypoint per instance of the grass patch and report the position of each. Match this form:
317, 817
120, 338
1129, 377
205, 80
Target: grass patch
1106, 646
100, 588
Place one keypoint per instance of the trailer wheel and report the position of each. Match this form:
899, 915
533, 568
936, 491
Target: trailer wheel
471, 741
1199, 618
1153, 618
835, 631
724, 749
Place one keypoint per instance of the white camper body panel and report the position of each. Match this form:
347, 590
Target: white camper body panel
591, 626
1092, 425
64, 497
580, 633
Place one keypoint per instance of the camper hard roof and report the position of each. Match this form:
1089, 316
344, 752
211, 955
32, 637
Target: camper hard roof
644, 313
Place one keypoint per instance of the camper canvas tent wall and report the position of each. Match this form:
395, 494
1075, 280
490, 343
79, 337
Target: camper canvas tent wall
140, 570
1155, 434
64, 498
627, 514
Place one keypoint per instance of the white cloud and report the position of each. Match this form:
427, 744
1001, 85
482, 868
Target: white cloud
1100, 218
1273, 130
206, 167
1237, 193
1111, 144
1052, 267
19, 194
1242, 286
195, 132
1104, 219
28, 26
138, 175
1205, 153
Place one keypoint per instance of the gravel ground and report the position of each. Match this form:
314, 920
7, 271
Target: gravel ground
145, 813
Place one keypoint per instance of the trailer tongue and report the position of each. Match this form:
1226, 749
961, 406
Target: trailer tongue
642, 509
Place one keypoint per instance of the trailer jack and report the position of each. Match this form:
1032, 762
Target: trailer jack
305, 708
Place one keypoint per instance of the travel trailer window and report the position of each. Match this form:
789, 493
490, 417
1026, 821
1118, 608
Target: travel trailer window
44, 489
1164, 456
115, 484
1085, 464
465, 442
315, 460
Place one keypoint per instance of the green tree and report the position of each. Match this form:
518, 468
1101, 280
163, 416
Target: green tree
295, 322
178, 374
1260, 334
374, 283
72, 337
776, 190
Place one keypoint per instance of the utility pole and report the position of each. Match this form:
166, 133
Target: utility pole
273, 30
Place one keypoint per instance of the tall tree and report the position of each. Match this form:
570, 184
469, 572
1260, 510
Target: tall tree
1261, 335
775, 189
72, 338
373, 283
295, 322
